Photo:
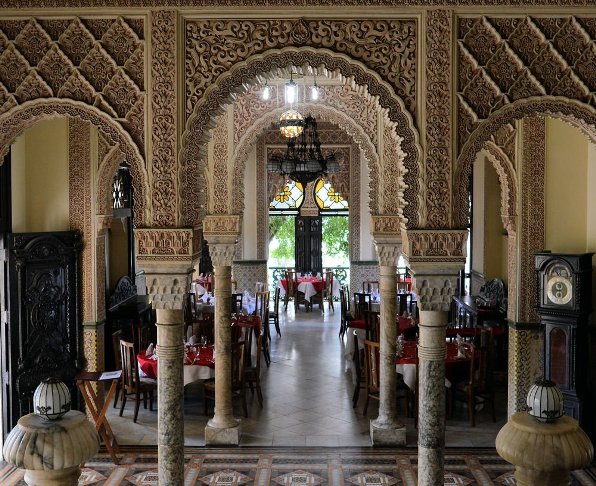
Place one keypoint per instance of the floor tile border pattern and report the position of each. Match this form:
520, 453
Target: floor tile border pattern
287, 466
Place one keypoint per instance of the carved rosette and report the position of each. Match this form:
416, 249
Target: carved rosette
162, 245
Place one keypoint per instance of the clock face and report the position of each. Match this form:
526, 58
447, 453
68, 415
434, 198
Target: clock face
559, 286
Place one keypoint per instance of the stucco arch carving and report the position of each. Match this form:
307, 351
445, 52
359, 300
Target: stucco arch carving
578, 114
15, 121
507, 181
321, 113
107, 169
234, 81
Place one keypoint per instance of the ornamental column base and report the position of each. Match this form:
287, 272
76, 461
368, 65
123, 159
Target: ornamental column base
382, 435
221, 436
64, 477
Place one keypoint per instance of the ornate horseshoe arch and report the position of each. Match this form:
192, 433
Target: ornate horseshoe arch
507, 181
18, 119
576, 113
234, 81
322, 113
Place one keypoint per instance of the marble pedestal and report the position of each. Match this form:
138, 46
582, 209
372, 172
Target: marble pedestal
543, 453
387, 436
51, 452
222, 436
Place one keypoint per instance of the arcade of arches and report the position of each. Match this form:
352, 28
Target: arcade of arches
412, 99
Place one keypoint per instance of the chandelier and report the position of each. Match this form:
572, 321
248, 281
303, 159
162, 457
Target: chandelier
303, 161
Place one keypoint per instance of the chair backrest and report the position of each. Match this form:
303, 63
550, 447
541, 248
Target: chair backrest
290, 282
371, 285
143, 337
205, 326
329, 280
190, 307
361, 303
236, 303
276, 301
469, 350
402, 303
483, 379
372, 325
346, 288
130, 369
372, 359
238, 357
116, 337
343, 304
262, 306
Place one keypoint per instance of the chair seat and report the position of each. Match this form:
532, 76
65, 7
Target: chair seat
357, 324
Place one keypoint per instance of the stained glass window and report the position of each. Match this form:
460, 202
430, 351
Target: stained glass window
327, 197
290, 196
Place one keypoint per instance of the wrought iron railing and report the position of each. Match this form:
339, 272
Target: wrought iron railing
341, 274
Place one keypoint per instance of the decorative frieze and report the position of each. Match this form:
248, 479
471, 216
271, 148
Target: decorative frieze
435, 245
222, 225
164, 244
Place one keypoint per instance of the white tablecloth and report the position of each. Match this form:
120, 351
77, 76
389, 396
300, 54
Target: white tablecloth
191, 373
308, 289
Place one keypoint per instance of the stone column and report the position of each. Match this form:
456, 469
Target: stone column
386, 429
431, 397
170, 396
221, 233
168, 281
435, 257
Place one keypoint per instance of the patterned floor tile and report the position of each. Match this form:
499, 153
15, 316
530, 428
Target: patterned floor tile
372, 478
296, 478
227, 477
145, 478
89, 477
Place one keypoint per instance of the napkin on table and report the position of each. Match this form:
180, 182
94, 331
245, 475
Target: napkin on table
192, 340
150, 350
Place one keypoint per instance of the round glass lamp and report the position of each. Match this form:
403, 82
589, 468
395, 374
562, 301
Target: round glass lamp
291, 124
545, 401
51, 399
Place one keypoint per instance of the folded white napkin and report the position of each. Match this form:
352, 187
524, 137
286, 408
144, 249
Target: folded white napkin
150, 350
192, 340
188, 333
205, 297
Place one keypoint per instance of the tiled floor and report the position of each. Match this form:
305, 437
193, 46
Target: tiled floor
307, 390
298, 466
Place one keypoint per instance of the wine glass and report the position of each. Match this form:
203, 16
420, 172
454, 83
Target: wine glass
204, 341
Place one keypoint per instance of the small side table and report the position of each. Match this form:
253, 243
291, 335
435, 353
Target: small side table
543, 453
51, 451
97, 409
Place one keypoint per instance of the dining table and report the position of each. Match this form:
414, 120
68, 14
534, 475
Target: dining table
455, 366
309, 286
199, 364
404, 325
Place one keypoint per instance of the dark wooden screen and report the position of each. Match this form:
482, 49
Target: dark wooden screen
42, 330
309, 240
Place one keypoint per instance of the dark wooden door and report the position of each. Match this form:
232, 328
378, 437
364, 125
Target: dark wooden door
42, 333
309, 240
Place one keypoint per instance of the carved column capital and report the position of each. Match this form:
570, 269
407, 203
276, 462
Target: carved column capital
388, 253
167, 283
222, 254
435, 283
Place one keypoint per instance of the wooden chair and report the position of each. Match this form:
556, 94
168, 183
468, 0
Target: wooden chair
252, 373
371, 285
359, 378
372, 325
477, 386
371, 371
329, 288
238, 377
274, 315
345, 317
290, 287
262, 310
361, 303
204, 326
116, 337
131, 383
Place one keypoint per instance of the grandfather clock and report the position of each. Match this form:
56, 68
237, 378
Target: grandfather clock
564, 306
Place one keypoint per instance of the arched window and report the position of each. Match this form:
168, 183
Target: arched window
329, 198
290, 196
